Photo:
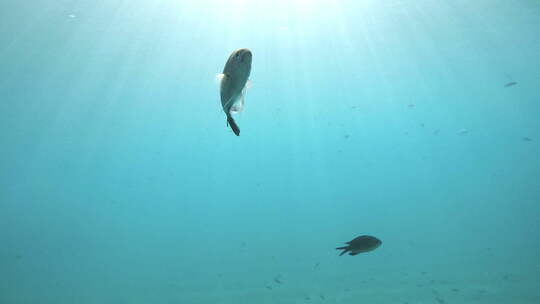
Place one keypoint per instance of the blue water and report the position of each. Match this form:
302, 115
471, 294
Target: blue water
120, 181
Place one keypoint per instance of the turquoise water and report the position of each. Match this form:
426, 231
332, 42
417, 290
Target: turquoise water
121, 183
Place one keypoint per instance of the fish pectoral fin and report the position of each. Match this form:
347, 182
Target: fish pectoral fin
353, 253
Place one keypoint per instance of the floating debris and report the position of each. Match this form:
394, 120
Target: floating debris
510, 84
463, 132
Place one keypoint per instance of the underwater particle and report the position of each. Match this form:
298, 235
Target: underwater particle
363, 243
527, 139
462, 131
510, 84
346, 136
72, 16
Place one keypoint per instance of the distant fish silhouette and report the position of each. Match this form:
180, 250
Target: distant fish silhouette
527, 139
463, 132
510, 84
363, 243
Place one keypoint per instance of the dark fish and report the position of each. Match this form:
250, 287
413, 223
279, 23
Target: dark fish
233, 85
510, 84
363, 243
527, 139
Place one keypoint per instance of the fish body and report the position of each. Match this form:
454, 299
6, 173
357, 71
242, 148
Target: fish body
363, 243
510, 84
233, 84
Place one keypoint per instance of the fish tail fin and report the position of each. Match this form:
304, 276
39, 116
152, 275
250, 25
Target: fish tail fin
344, 250
234, 126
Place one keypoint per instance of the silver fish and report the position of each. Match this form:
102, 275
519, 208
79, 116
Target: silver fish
233, 85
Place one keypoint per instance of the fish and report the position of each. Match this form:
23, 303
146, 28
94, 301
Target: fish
233, 84
509, 84
363, 243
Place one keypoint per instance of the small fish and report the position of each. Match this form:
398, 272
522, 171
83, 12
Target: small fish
233, 85
440, 300
363, 243
277, 279
411, 106
463, 132
527, 139
510, 84
436, 131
